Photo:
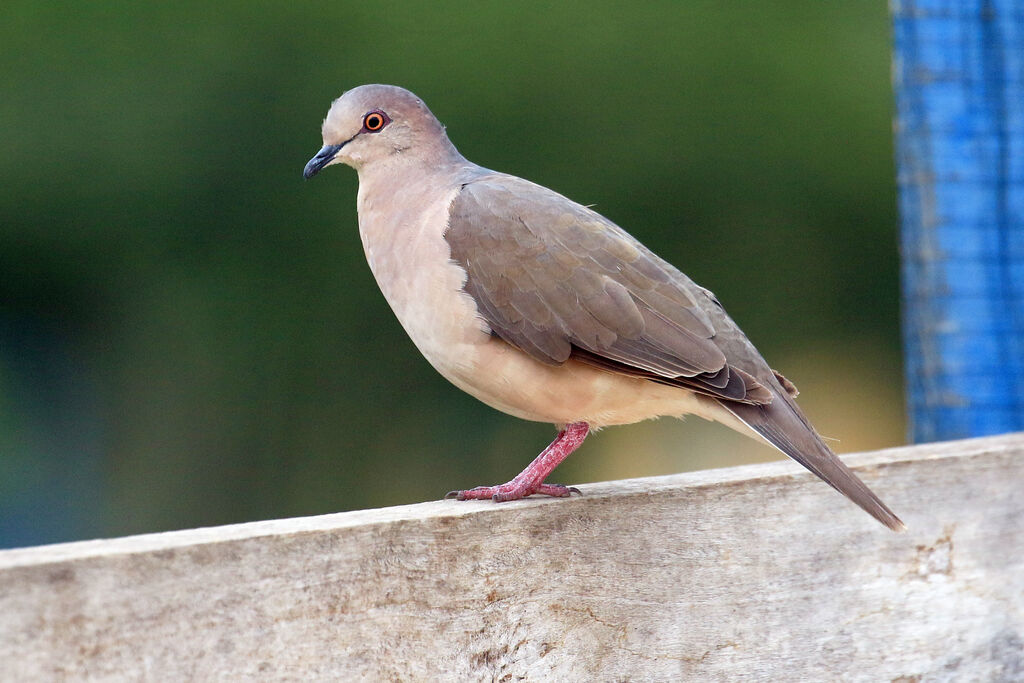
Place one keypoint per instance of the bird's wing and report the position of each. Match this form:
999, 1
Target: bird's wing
556, 279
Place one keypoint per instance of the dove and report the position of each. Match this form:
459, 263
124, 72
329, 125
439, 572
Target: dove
544, 309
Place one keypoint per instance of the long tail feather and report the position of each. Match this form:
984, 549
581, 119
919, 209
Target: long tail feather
783, 425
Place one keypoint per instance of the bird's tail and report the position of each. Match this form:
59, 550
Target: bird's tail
782, 424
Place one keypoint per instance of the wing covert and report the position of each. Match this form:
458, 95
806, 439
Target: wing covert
558, 280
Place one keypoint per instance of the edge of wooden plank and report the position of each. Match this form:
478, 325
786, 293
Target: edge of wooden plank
758, 474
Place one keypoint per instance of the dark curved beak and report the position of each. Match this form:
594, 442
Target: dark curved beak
322, 158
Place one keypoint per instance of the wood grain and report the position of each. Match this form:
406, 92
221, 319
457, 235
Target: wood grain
748, 573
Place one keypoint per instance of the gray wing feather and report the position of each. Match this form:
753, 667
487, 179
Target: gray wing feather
559, 280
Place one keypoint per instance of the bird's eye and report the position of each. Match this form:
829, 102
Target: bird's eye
374, 121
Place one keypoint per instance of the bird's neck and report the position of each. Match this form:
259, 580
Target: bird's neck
399, 187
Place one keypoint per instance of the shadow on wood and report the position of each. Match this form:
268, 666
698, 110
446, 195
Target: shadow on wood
755, 572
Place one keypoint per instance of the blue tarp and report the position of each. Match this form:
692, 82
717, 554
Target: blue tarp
958, 70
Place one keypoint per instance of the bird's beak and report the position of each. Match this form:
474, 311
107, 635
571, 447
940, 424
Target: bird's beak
323, 157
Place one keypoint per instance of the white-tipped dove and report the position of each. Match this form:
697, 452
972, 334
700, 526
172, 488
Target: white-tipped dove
544, 309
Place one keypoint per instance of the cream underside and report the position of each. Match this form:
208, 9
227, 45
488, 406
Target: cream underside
411, 262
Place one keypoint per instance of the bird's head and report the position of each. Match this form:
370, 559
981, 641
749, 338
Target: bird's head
376, 122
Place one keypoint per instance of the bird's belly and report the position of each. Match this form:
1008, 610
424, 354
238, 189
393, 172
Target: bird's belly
509, 380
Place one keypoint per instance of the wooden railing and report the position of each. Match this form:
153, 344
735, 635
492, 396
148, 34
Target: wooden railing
759, 572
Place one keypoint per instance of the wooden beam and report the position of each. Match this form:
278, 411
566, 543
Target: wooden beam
757, 572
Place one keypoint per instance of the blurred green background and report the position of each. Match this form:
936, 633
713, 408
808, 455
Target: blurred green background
189, 334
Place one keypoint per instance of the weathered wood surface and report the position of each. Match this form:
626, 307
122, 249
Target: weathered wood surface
750, 573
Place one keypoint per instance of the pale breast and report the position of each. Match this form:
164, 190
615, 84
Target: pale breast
409, 258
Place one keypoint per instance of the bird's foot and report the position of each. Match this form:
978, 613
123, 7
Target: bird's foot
530, 480
513, 490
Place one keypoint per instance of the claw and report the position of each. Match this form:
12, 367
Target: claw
513, 490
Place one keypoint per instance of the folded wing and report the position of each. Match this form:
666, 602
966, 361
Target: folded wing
558, 280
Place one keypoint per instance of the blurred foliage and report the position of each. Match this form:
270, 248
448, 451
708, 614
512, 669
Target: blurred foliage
227, 350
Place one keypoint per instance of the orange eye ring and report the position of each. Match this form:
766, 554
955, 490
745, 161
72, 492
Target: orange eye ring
374, 121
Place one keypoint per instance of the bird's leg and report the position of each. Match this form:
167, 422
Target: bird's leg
531, 480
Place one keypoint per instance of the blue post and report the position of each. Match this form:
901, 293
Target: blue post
959, 79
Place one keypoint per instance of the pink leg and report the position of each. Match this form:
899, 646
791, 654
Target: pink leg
530, 480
